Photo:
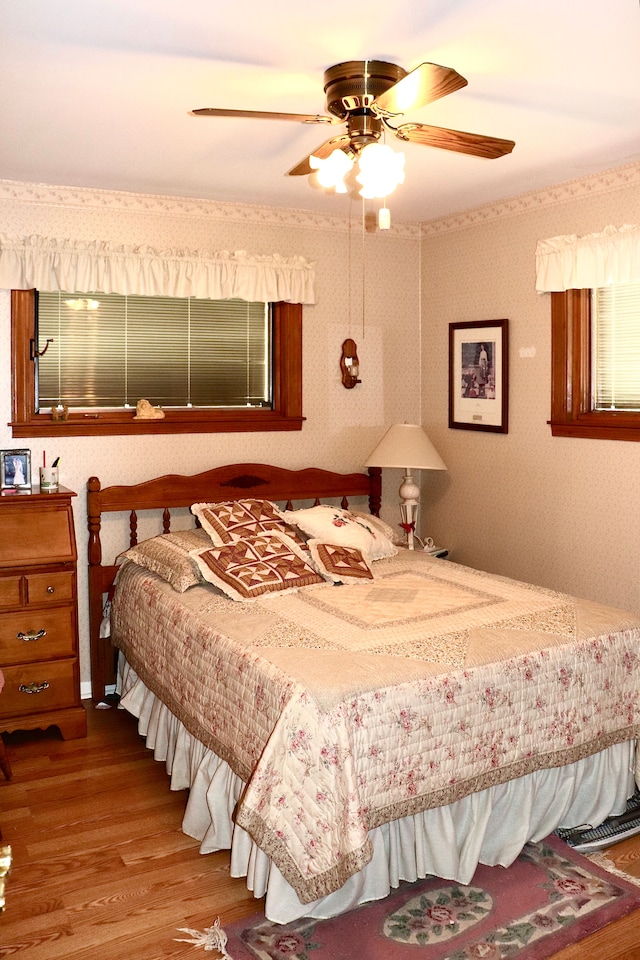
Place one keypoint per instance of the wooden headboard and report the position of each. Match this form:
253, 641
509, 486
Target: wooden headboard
231, 482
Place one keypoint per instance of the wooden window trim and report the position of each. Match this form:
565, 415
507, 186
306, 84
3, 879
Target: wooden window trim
287, 389
571, 413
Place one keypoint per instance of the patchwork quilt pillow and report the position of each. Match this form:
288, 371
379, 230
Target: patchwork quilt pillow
339, 564
249, 569
238, 519
340, 527
169, 556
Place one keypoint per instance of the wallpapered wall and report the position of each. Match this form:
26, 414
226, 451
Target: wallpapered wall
341, 427
558, 512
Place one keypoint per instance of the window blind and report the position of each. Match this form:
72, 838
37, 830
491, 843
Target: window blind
110, 350
615, 354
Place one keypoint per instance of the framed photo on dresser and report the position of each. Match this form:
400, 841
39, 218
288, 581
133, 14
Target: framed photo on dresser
15, 469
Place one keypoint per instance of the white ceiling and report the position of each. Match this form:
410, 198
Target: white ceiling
98, 94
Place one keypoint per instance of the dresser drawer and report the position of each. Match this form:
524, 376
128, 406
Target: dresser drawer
39, 687
50, 587
57, 640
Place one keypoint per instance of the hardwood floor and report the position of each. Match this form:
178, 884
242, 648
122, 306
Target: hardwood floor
101, 868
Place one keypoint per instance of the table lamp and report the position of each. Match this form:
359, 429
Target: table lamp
403, 444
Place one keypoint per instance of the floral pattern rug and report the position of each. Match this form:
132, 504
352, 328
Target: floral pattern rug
550, 897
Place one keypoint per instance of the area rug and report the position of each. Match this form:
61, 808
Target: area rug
550, 897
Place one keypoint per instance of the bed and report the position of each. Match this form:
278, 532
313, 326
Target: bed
387, 716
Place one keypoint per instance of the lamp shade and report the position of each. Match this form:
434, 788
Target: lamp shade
406, 445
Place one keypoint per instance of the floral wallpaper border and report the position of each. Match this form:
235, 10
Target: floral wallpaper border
40, 193
600, 183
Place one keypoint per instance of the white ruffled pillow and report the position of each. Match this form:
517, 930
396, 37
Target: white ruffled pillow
397, 537
335, 525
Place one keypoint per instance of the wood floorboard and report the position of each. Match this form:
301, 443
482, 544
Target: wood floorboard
101, 868
99, 836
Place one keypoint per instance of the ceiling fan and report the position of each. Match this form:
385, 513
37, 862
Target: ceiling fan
368, 95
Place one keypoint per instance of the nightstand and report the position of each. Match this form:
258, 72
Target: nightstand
39, 613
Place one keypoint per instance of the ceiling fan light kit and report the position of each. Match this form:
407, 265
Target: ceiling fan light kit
367, 95
331, 173
381, 171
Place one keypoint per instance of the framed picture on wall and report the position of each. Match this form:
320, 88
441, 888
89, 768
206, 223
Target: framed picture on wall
15, 469
479, 375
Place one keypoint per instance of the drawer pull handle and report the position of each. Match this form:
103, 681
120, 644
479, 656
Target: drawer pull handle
33, 687
32, 635
51, 589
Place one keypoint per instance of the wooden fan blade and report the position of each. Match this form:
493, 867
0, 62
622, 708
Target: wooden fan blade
474, 144
426, 83
263, 115
323, 151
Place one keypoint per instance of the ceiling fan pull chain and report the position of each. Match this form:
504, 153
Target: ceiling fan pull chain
349, 266
363, 264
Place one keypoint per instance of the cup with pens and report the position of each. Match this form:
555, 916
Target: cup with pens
49, 475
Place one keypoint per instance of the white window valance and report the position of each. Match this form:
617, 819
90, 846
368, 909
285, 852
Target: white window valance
566, 263
51, 264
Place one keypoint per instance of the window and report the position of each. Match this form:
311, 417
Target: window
214, 366
109, 350
595, 390
615, 326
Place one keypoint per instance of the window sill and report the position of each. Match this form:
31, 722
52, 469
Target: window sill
594, 432
123, 424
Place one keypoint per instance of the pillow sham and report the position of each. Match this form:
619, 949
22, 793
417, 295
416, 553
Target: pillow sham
238, 519
340, 527
168, 556
339, 564
396, 537
249, 569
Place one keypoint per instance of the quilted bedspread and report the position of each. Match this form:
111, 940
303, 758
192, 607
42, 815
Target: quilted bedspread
346, 706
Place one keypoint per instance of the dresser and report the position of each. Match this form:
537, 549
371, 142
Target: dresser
39, 613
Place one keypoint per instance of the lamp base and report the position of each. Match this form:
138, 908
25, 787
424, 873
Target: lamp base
409, 493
